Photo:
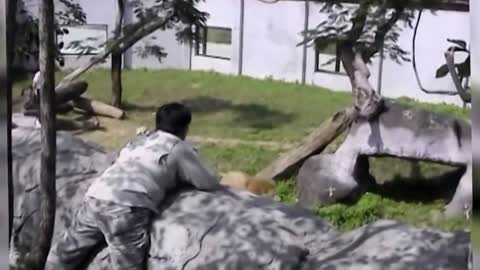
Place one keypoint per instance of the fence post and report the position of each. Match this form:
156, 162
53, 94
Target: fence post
305, 29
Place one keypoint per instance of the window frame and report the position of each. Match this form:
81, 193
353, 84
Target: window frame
199, 41
98, 26
338, 62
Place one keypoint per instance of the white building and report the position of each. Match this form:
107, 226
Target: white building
253, 38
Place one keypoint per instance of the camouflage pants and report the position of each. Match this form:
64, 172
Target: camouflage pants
124, 229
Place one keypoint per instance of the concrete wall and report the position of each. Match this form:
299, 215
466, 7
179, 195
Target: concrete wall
223, 13
433, 31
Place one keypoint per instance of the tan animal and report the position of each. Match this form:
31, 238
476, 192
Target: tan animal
244, 181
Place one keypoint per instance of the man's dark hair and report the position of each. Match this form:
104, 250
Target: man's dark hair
173, 118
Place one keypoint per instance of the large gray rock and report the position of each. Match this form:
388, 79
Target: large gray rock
227, 229
401, 131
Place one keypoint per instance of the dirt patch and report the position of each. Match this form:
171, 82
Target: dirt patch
114, 134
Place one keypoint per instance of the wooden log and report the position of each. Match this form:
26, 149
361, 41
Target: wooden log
59, 109
72, 125
70, 91
98, 108
288, 163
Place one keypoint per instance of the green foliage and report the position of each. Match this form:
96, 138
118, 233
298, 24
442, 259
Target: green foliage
68, 12
185, 14
365, 26
286, 190
443, 108
372, 207
247, 158
366, 210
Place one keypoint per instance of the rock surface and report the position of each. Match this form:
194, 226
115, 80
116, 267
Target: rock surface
227, 229
401, 131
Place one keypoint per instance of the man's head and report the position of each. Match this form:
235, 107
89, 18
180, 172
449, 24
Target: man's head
173, 118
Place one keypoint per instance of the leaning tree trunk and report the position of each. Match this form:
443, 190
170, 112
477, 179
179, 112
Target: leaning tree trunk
116, 70
289, 162
367, 102
47, 185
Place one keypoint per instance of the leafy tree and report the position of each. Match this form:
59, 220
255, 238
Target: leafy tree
359, 32
25, 31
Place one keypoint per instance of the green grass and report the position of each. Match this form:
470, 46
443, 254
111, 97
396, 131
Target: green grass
226, 106
249, 109
247, 158
372, 207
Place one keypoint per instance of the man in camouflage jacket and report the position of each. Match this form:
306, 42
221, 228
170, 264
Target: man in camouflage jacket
119, 205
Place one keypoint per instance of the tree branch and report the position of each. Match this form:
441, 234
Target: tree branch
464, 95
121, 44
358, 24
383, 30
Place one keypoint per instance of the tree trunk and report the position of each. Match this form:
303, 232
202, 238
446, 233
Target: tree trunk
288, 163
116, 71
116, 74
98, 108
47, 185
121, 44
11, 31
366, 101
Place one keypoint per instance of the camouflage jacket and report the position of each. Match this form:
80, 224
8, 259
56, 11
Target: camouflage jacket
147, 167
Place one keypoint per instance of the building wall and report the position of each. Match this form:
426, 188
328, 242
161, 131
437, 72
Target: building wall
431, 44
223, 13
272, 32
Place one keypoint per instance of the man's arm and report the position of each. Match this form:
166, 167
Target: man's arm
192, 169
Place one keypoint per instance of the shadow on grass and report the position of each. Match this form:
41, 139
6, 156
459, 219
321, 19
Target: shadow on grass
252, 115
425, 190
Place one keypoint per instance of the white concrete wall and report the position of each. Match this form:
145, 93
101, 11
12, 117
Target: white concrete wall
271, 35
223, 13
433, 31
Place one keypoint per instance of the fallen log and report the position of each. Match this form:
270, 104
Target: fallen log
72, 125
98, 108
70, 91
288, 163
63, 94
59, 109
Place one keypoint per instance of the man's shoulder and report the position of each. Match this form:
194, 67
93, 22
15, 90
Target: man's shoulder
184, 146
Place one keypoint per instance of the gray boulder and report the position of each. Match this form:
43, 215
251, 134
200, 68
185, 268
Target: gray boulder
226, 229
401, 131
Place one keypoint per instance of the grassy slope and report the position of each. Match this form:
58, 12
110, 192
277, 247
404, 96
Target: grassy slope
250, 109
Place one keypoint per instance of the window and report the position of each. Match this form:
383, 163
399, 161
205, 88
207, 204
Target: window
213, 42
88, 39
328, 60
